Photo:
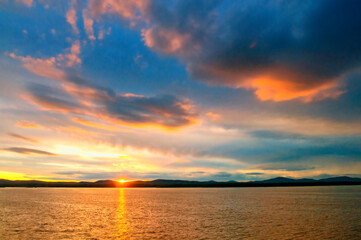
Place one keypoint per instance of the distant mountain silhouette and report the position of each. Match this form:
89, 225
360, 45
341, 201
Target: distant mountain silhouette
341, 179
287, 180
278, 181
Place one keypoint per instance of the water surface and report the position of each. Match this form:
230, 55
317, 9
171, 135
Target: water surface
181, 213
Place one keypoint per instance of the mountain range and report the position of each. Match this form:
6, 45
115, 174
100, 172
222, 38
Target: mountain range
278, 181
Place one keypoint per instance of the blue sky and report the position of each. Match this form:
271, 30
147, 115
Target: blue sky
221, 90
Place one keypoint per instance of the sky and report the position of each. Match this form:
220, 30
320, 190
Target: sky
179, 89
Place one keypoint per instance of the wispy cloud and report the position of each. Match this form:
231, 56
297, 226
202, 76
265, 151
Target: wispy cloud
28, 151
17, 136
27, 124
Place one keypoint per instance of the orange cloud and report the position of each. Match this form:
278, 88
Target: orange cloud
213, 116
96, 125
27, 124
275, 84
276, 90
71, 129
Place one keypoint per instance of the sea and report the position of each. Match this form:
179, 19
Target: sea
326, 212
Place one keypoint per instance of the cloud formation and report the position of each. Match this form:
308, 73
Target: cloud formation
77, 95
137, 111
281, 50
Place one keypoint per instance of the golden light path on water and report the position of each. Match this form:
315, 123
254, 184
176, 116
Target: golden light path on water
121, 216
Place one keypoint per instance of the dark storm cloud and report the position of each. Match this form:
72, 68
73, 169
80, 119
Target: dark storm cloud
282, 49
27, 151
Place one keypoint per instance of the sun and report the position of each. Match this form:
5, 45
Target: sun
122, 180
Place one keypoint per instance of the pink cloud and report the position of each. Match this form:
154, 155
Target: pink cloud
88, 24
26, 2
167, 41
41, 67
126, 9
48, 67
71, 17
73, 56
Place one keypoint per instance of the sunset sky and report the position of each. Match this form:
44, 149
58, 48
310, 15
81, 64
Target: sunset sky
194, 90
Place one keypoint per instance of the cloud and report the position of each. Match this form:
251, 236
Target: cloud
103, 32
88, 25
275, 135
50, 98
130, 9
27, 151
213, 116
41, 67
17, 136
26, 2
280, 50
49, 67
299, 51
73, 56
284, 166
27, 124
96, 125
165, 111
71, 17
254, 173
167, 41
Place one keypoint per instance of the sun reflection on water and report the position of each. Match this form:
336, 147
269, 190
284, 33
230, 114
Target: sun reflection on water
121, 216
